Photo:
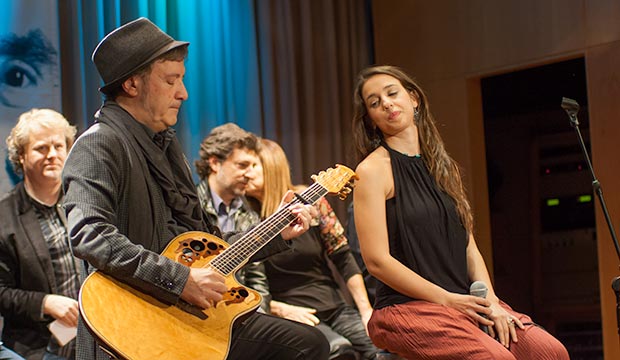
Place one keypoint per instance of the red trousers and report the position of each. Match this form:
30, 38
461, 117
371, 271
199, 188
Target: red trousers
423, 330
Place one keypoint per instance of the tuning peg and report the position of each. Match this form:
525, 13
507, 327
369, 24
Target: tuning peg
346, 190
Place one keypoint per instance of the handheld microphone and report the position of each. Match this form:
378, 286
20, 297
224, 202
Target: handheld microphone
479, 289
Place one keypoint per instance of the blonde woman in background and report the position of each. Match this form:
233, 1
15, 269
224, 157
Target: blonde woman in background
302, 286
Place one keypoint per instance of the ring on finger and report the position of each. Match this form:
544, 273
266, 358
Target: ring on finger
511, 321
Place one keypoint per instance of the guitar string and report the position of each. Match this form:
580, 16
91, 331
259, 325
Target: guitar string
254, 243
234, 256
256, 238
229, 260
241, 252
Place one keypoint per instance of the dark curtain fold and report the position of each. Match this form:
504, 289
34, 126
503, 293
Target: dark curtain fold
310, 52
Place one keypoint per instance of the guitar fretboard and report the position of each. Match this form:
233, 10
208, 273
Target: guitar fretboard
231, 259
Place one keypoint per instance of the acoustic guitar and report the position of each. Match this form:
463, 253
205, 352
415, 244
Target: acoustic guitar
130, 324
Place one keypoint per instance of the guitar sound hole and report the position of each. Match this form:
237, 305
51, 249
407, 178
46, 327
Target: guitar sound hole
212, 246
244, 293
197, 246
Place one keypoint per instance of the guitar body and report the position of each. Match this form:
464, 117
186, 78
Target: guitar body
133, 325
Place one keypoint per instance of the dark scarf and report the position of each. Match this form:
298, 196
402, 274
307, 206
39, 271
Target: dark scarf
166, 162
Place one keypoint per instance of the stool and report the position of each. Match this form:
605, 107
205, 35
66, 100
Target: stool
386, 355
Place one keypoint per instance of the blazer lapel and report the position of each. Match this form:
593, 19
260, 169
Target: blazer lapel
32, 229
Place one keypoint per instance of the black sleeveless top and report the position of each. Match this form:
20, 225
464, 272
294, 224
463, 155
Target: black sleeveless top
424, 229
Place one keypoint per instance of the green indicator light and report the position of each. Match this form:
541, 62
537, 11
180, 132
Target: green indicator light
584, 198
553, 202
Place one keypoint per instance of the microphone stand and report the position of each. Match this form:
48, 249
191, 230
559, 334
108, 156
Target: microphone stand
572, 107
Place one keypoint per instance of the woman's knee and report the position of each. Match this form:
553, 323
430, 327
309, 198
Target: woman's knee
538, 344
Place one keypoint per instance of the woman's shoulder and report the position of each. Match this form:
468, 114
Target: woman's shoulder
375, 174
376, 161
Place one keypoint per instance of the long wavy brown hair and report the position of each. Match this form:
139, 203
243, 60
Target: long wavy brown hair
443, 168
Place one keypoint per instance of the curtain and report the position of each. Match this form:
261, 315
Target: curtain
310, 53
283, 69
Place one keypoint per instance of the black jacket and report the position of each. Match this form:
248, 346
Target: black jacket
26, 275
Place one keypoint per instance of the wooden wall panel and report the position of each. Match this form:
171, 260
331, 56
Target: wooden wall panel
449, 45
442, 39
603, 70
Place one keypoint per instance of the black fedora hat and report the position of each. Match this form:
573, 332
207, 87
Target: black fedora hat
133, 45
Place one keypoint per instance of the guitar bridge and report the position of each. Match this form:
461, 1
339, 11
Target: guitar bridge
192, 309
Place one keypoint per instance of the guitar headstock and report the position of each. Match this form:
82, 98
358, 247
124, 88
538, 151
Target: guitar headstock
339, 180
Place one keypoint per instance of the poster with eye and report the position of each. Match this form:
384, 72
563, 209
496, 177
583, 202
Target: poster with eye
29, 67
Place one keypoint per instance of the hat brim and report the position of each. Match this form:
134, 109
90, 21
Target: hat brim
112, 84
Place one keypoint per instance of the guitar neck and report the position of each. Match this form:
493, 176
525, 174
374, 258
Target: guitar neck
238, 253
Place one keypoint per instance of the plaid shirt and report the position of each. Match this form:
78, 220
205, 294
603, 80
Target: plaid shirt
65, 265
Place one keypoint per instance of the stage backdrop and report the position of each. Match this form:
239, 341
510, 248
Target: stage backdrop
29, 67
283, 69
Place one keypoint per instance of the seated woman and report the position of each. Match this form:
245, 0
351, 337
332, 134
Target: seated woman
415, 230
301, 284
